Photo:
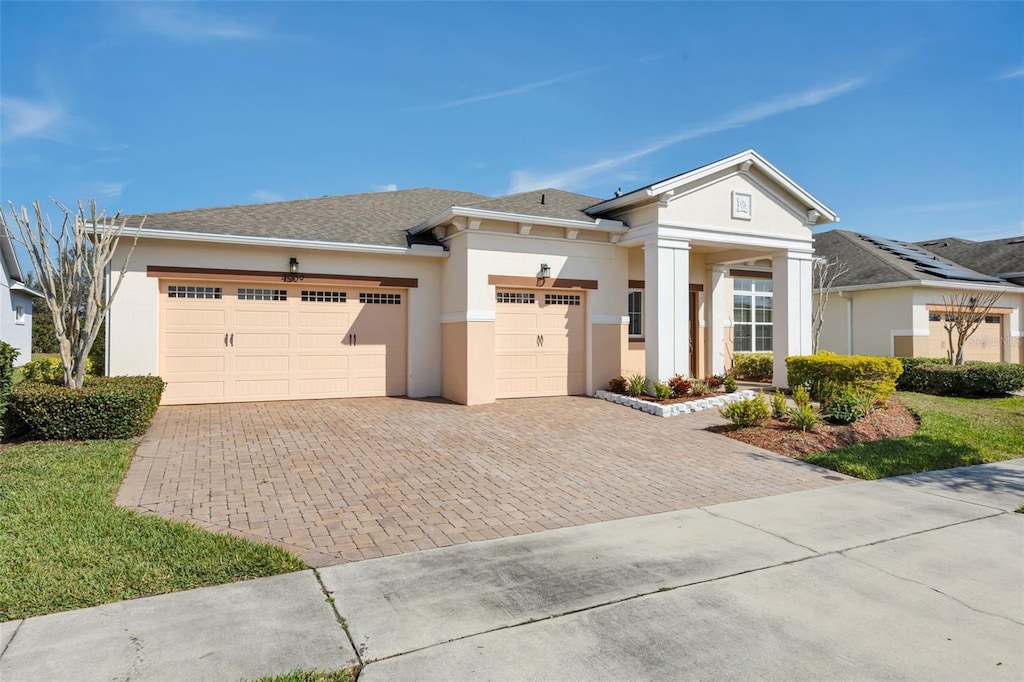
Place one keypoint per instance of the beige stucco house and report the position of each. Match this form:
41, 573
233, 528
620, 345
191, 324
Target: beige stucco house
894, 297
430, 292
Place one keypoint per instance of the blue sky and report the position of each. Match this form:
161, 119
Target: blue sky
907, 119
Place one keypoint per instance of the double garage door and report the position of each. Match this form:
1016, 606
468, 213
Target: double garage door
539, 344
228, 342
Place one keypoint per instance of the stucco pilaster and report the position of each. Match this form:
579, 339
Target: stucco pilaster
667, 299
791, 314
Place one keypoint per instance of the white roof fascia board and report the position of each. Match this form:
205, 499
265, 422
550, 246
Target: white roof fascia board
10, 257
982, 286
930, 283
18, 286
698, 174
600, 225
417, 250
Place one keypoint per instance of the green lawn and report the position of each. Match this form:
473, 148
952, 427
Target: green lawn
64, 545
311, 676
954, 432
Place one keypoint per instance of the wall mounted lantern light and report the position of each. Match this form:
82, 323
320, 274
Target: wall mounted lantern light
545, 270
293, 270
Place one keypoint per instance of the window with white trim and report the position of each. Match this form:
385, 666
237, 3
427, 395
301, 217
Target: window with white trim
19, 314
752, 315
636, 313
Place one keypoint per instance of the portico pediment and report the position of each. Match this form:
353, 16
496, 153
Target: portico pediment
741, 194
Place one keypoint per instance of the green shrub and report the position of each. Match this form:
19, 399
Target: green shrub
680, 386
803, 417
730, 384
747, 412
617, 385
700, 388
8, 354
975, 379
662, 391
912, 363
801, 397
636, 384
714, 380
50, 370
874, 374
845, 404
114, 407
753, 366
779, 404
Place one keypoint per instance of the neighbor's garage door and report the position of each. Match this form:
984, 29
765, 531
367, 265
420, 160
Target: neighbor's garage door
223, 342
539, 344
985, 344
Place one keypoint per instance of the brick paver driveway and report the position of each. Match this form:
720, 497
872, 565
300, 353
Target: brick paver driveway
344, 480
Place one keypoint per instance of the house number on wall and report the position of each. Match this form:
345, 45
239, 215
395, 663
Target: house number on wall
741, 206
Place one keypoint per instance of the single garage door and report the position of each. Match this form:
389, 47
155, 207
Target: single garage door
226, 342
539, 344
985, 344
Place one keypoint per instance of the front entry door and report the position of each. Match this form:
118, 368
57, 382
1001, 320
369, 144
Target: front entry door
693, 334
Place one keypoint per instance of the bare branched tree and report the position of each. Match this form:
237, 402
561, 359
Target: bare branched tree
824, 273
70, 266
963, 314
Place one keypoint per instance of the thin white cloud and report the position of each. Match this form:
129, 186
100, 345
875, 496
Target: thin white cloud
508, 92
523, 181
184, 21
23, 118
101, 190
266, 196
1017, 72
391, 187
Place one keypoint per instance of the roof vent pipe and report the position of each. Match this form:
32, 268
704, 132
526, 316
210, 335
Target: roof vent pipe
542, 198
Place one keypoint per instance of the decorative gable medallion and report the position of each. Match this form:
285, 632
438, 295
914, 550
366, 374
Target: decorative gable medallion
742, 206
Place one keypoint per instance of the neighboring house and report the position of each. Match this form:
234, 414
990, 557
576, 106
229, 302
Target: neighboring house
891, 300
429, 292
15, 301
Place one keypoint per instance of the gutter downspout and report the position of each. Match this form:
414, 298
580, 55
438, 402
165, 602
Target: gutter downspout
849, 321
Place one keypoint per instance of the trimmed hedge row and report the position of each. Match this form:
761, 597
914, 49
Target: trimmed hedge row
753, 366
974, 379
105, 407
875, 375
8, 354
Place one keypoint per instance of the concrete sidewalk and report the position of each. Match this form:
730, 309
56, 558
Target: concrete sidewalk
915, 577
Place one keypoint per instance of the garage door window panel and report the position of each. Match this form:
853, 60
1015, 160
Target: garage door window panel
323, 296
193, 292
262, 294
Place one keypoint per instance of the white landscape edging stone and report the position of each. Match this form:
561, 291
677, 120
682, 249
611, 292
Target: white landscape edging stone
674, 409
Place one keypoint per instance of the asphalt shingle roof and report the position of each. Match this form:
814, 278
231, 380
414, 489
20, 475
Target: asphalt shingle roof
380, 218
993, 257
557, 204
868, 263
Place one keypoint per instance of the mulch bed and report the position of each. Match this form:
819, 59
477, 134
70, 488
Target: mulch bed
892, 421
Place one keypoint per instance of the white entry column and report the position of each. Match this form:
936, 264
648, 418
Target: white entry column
791, 314
667, 308
719, 310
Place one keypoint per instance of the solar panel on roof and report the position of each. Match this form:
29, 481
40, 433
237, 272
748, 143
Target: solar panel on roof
926, 262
